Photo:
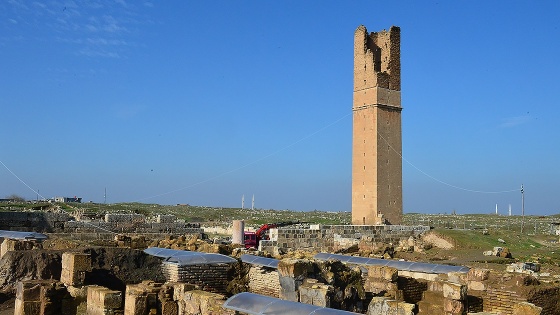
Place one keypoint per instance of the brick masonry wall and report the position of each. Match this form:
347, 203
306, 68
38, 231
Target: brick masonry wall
500, 300
210, 278
264, 281
412, 289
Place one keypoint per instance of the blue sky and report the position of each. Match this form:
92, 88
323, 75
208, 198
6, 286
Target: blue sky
202, 102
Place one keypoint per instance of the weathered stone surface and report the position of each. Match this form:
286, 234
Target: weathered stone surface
29, 290
385, 306
101, 299
202, 303
315, 293
478, 274
74, 268
454, 291
383, 272
291, 273
476, 285
27, 307
264, 281
169, 308
453, 306
11, 245
141, 298
526, 308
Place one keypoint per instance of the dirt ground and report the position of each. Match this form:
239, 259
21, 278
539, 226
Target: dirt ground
7, 305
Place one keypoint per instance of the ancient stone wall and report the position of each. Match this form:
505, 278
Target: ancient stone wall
44, 222
131, 227
330, 238
51, 222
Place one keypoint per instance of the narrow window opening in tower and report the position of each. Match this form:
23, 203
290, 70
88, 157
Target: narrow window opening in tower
364, 220
364, 167
364, 196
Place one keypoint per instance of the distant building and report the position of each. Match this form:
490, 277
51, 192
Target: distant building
68, 199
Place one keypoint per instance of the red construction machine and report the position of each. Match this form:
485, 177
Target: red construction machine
252, 239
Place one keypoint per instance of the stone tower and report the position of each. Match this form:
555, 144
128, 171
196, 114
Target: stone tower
377, 145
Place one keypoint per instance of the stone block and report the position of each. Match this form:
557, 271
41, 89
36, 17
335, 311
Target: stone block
478, 274
76, 302
74, 268
453, 306
383, 272
27, 307
200, 302
169, 308
454, 291
378, 286
476, 285
103, 298
28, 290
525, 308
315, 293
436, 286
382, 305
135, 303
180, 289
291, 273
457, 277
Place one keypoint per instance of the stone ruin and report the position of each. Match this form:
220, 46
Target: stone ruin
78, 287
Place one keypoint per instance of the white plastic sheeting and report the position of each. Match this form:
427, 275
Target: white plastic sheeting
400, 265
16, 235
256, 304
261, 261
183, 257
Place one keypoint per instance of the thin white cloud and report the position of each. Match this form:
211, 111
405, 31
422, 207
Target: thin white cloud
122, 2
93, 28
98, 53
511, 122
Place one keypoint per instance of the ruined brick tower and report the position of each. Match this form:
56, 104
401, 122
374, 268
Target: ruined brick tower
377, 145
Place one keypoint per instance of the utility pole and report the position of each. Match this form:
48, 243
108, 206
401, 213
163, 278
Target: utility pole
522, 208
242, 202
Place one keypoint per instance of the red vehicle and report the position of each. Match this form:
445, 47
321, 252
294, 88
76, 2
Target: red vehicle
252, 239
